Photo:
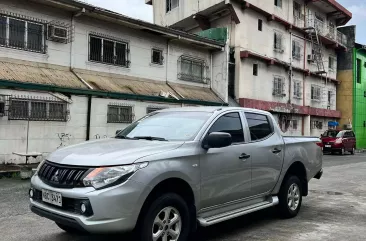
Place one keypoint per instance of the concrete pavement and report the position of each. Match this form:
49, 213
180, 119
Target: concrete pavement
334, 210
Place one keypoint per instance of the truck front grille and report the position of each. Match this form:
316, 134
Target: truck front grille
62, 176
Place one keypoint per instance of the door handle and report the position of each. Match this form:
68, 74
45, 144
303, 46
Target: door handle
244, 156
276, 151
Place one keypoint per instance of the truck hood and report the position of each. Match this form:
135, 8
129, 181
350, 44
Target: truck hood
109, 152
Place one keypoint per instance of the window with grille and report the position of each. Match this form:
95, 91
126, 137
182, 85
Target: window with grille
317, 125
277, 45
171, 4
22, 34
108, 51
297, 9
157, 56
37, 110
278, 3
278, 86
332, 63
296, 50
297, 90
192, 70
120, 114
315, 93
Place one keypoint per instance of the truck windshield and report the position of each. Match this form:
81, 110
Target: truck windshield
167, 126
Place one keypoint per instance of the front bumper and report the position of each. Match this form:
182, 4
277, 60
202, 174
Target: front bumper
114, 209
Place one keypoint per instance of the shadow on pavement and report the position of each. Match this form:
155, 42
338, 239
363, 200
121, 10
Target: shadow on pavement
222, 230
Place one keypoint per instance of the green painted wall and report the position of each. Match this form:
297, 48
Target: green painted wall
359, 108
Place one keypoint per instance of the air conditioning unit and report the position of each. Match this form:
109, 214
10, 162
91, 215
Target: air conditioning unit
311, 57
57, 33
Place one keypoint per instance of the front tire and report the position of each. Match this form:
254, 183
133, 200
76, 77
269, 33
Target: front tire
290, 197
167, 218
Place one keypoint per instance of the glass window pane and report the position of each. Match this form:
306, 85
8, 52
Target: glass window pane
16, 33
35, 37
38, 110
95, 49
229, 123
108, 51
3, 24
259, 126
112, 114
121, 53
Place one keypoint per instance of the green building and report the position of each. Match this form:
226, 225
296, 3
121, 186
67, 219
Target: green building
351, 92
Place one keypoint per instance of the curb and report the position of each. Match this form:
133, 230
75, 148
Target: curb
9, 174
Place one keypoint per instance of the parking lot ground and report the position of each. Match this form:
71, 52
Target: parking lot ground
334, 210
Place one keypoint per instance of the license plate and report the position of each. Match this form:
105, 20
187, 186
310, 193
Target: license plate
328, 146
54, 198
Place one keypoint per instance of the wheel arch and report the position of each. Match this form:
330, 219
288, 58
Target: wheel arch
298, 169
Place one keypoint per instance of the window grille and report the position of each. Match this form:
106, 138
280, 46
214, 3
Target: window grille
278, 86
297, 90
37, 109
315, 93
120, 114
108, 51
22, 34
277, 45
193, 70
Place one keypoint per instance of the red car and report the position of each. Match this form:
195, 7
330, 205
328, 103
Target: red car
339, 141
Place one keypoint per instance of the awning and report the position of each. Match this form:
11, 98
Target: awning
140, 86
38, 73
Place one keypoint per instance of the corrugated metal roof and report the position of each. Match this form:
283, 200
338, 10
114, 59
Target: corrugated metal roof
22, 71
140, 86
195, 93
123, 84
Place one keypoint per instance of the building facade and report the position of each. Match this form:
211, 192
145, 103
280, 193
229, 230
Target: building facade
351, 95
71, 72
283, 53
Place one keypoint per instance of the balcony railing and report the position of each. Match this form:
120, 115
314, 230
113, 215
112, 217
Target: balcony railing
341, 38
299, 22
328, 31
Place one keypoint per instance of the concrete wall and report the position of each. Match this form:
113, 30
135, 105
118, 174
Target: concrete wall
44, 136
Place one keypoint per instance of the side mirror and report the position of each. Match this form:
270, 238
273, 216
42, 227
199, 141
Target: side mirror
217, 140
118, 131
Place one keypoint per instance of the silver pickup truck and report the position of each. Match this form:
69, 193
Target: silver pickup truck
175, 169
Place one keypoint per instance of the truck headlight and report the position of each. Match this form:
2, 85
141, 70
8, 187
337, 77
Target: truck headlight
104, 177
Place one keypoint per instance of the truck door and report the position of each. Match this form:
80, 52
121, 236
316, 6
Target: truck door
226, 172
267, 152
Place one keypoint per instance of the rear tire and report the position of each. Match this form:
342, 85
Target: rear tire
290, 197
70, 230
353, 151
167, 216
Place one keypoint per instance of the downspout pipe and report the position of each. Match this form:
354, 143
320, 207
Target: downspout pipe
88, 118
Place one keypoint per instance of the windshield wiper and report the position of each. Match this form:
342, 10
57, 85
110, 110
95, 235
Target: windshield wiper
149, 138
125, 137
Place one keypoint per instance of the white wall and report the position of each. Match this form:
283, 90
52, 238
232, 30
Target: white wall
99, 126
44, 136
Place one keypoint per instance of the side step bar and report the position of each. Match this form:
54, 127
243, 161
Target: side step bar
237, 213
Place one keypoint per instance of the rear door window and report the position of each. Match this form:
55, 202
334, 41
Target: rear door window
229, 123
259, 126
